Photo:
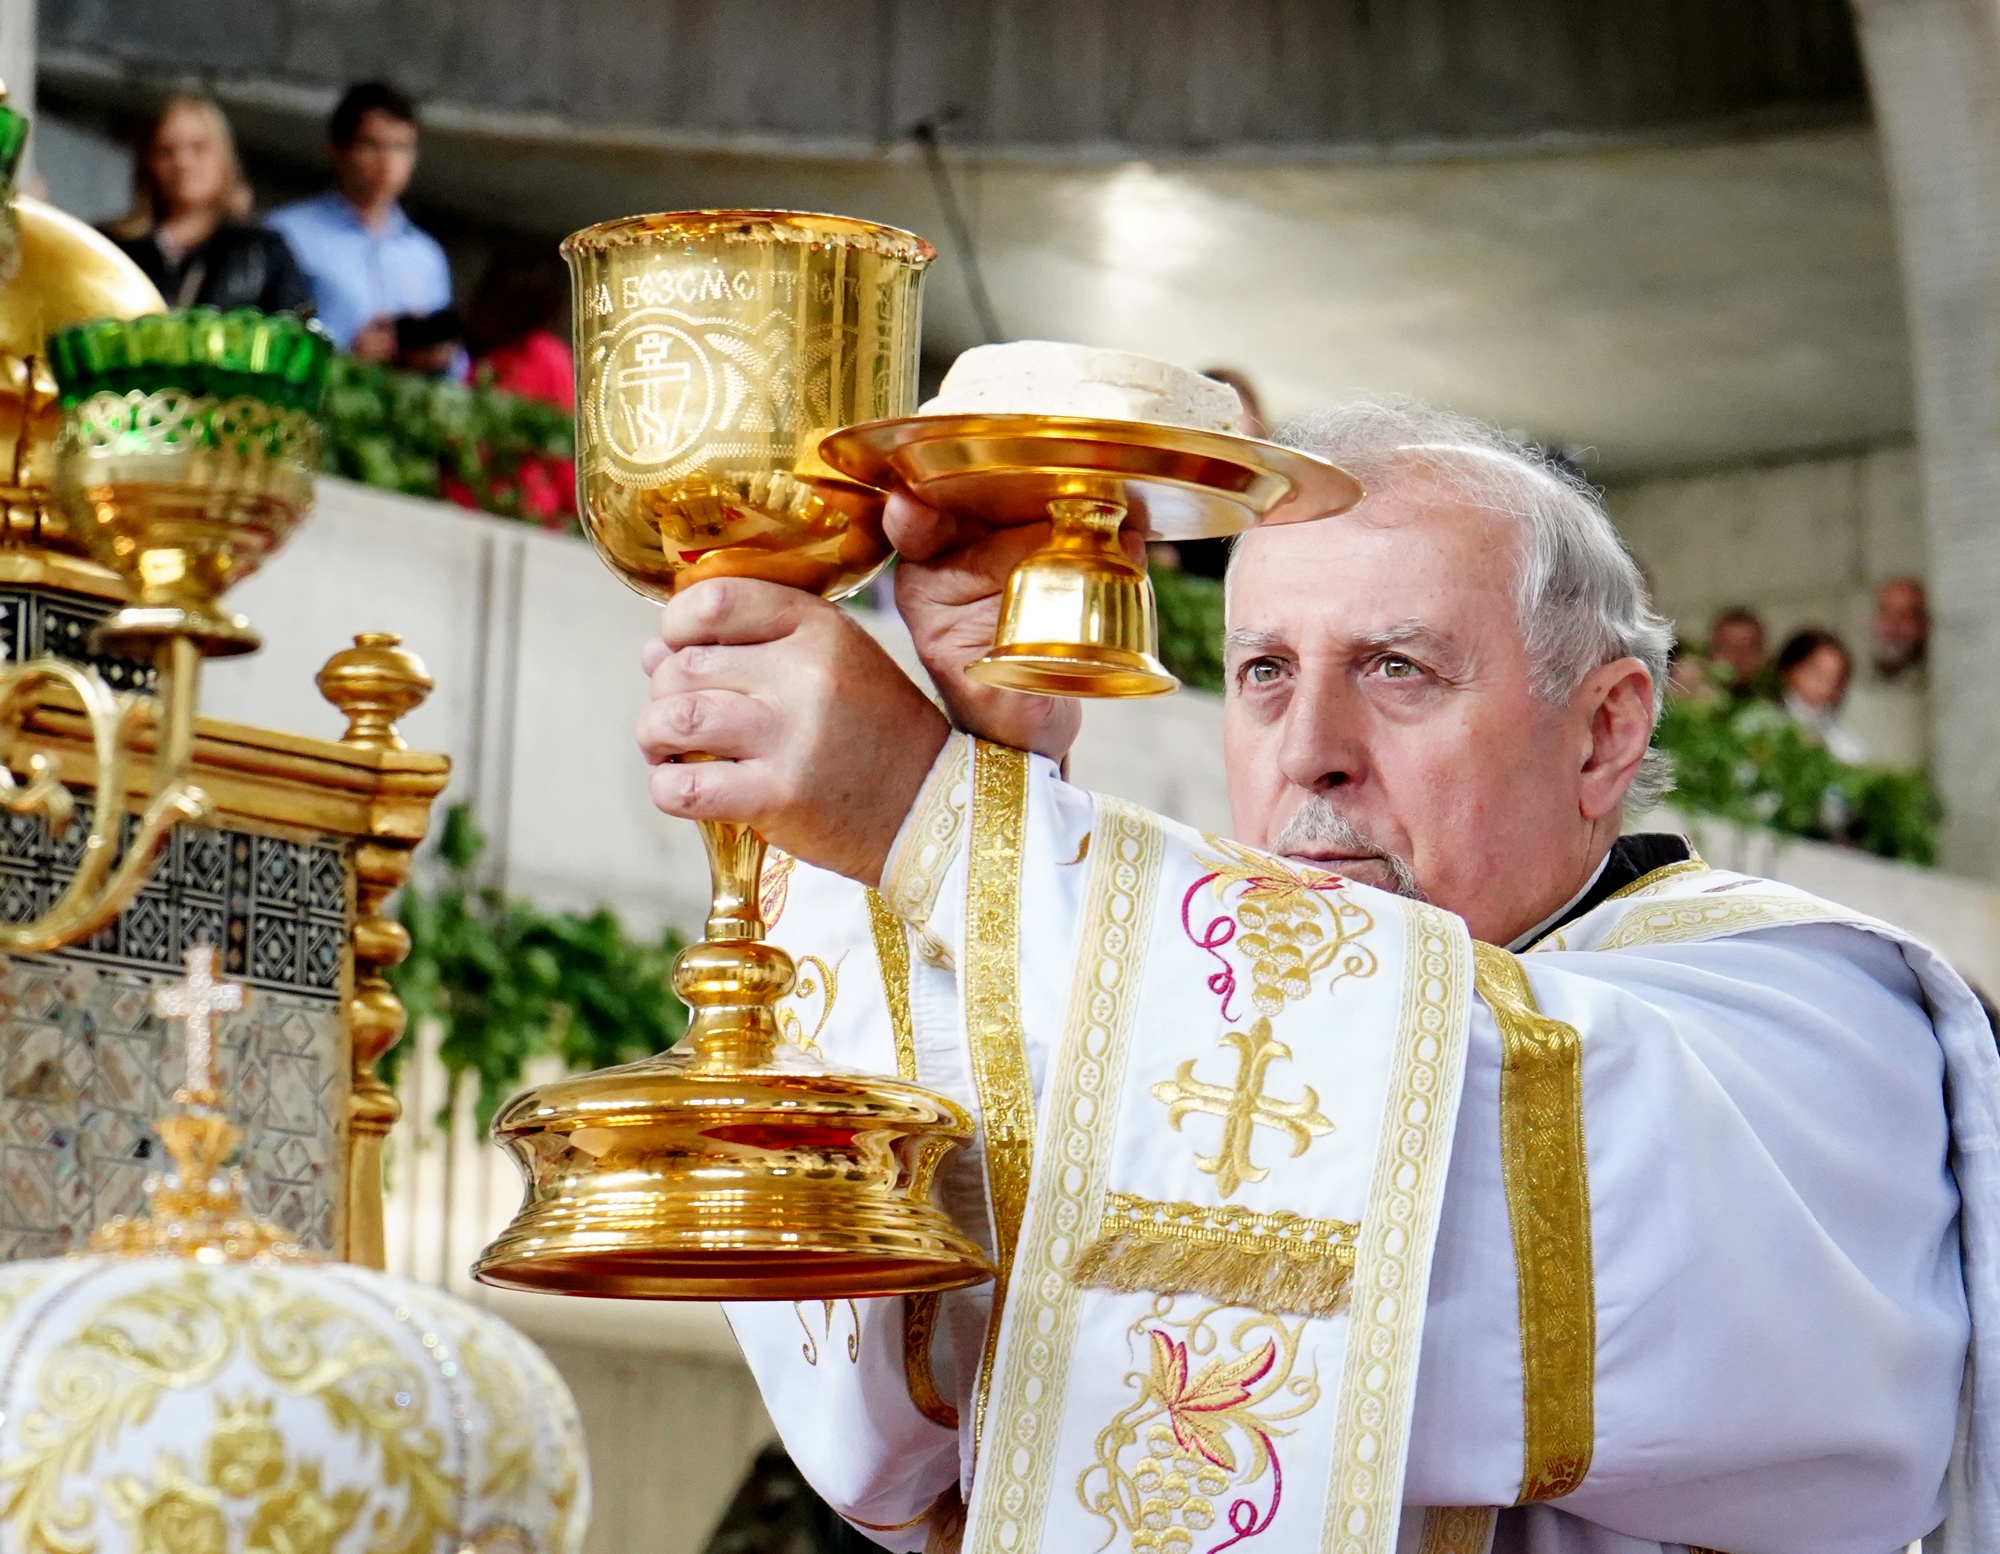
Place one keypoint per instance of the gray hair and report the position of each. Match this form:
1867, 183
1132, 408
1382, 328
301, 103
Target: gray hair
1582, 599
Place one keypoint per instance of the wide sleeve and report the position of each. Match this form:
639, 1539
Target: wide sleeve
1770, 1261
835, 1375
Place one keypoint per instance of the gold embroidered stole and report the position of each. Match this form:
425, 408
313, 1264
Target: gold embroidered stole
994, 1038
1548, 1204
1254, 1387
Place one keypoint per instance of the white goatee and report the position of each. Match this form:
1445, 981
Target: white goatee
1316, 823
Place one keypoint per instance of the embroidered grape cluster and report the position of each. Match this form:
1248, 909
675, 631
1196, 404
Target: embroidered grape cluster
1178, 1490
1277, 940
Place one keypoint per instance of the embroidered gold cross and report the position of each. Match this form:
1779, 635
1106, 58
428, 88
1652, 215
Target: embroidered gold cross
1243, 1108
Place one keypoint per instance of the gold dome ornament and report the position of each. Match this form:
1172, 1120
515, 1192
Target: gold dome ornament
66, 274
197, 1384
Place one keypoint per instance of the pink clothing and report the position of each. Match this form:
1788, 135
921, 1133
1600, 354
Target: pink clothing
537, 367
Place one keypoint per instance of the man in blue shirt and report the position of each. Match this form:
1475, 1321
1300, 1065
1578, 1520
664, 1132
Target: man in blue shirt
368, 263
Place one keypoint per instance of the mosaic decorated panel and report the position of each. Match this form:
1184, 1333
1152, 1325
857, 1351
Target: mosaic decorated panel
34, 621
88, 1067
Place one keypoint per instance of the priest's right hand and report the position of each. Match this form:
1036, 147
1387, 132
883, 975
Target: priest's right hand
809, 730
949, 581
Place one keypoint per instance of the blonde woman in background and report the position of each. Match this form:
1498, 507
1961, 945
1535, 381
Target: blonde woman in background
189, 228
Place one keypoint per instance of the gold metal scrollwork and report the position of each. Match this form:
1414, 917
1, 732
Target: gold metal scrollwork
104, 881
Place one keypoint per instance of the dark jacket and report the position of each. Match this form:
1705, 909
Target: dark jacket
238, 267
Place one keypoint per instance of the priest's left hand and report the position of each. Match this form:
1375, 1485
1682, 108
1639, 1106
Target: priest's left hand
813, 734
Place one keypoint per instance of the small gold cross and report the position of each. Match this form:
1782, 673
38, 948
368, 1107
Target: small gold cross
1243, 1108
193, 1001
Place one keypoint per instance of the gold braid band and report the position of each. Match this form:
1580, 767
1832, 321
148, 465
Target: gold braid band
992, 956
1548, 1204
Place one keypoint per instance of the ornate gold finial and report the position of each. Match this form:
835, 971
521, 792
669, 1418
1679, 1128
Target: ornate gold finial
196, 1210
374, 683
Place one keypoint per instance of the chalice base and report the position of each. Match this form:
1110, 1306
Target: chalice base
681, 1178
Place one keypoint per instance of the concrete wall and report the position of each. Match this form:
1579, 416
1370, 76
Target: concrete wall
1094, 74
1804, 542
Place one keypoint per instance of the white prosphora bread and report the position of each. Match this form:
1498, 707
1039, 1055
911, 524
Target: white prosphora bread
1047, 377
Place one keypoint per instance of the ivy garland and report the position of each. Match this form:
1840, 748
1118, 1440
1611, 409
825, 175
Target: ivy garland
406, 432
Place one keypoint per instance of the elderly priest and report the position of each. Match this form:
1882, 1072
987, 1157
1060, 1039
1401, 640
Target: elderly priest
1426, 1167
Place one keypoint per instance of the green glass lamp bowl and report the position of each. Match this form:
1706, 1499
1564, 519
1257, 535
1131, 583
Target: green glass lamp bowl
187, 456
13, 141
279, 358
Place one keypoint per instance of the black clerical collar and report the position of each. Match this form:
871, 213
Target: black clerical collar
1630, 860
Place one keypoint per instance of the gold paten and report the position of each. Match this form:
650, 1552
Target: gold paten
1078, 618
714, 350
68, 274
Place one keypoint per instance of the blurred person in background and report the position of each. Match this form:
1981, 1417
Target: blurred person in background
1736, 648
370, 267
1889, 704
1251, 422
1814, 668
511, 328
189, 227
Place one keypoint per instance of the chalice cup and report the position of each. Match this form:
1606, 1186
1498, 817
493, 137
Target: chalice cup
715, 349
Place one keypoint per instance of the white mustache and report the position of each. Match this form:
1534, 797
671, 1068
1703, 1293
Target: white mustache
1317, 823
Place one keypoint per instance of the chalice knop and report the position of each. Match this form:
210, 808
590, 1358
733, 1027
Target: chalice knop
715, 349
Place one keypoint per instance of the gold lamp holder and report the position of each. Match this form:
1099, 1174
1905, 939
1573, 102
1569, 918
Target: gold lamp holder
714, 350
1078, 617
182, 486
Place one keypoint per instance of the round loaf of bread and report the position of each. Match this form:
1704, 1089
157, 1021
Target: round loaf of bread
1048, 377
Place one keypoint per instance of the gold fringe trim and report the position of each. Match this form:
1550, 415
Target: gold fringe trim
1277, 1262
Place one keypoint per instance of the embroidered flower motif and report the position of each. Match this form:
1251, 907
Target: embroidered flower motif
246, 1453
300, 1518
1211, 1407
173, 1515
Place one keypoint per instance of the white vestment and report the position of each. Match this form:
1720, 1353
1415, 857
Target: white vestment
1694, 1277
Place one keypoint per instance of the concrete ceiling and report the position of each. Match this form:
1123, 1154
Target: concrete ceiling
1664, 305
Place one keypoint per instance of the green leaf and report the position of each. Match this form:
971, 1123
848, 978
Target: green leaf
508, 983
1747, 761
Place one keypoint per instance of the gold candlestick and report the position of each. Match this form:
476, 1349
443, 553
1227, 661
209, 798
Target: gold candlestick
715, 349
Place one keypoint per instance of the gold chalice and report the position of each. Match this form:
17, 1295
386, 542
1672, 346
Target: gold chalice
1078, 616
715, 349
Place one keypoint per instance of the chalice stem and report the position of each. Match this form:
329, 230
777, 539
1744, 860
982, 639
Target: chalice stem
1088, 526
733, 980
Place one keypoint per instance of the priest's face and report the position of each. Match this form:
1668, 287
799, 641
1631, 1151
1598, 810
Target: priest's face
1380, 716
